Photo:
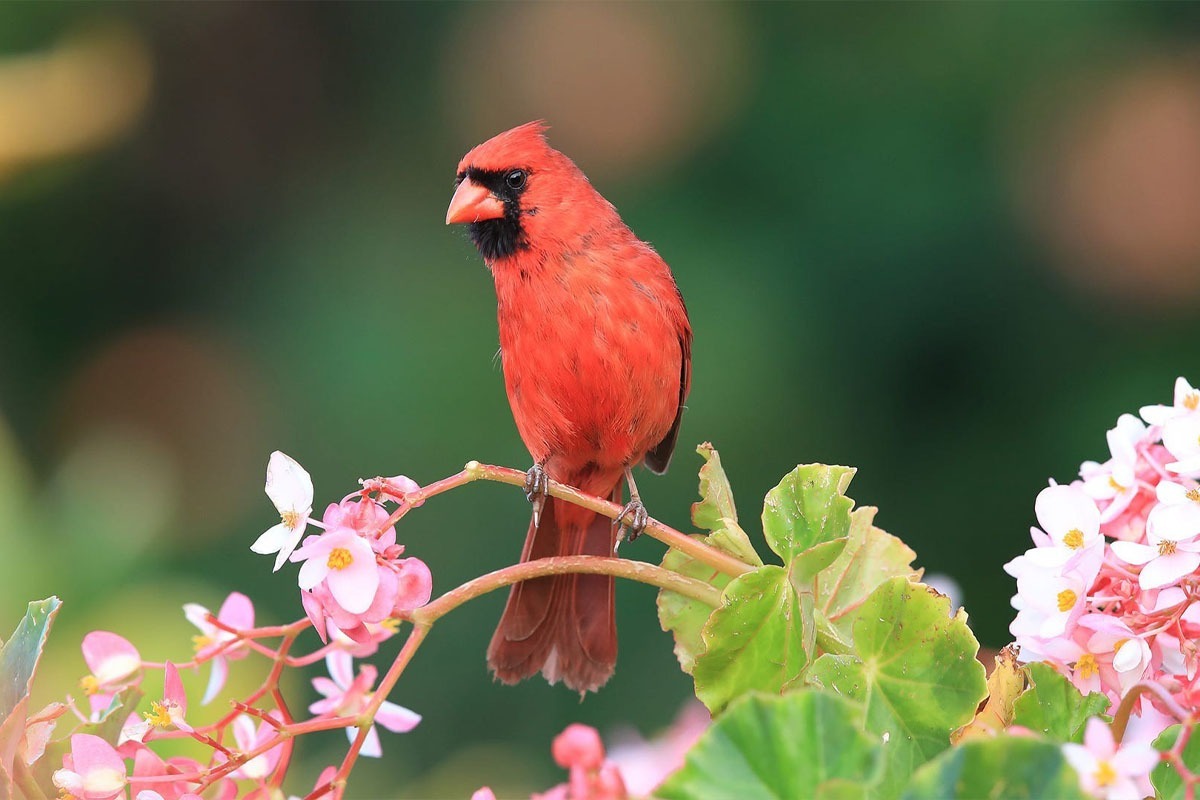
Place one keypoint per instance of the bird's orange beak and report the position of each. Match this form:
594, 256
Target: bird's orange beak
473, 203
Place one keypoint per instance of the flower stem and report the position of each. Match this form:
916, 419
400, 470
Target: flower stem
1121, 717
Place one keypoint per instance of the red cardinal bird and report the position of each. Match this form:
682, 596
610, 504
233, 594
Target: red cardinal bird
596, 348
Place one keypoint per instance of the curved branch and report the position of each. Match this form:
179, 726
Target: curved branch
561, 565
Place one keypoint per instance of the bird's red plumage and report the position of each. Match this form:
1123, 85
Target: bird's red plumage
596, 346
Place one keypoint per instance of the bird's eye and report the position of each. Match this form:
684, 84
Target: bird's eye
515, 179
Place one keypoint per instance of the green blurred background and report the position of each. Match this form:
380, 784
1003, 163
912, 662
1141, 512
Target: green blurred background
946, 244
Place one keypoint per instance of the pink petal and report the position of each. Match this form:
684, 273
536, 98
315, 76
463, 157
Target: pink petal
244, 733
578, 746
1167, 570
1135, 760
341, 668
1098, 739
354, 586
216, 681
325, 706
237, 611
110, 657
173, 687
90, 752
315, 613
327, 687
397, 719
416, 585
483, 793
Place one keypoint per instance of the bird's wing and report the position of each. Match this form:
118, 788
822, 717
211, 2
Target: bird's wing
658, 458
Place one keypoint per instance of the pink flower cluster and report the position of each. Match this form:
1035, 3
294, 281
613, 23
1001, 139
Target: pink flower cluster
1108, 592
352, 578
353, 575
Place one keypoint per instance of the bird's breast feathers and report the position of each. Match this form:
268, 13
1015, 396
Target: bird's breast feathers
591, 354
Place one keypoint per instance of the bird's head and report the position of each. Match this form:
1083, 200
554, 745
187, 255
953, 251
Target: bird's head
515, 189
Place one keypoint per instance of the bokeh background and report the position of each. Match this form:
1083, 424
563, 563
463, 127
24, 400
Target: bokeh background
947, 244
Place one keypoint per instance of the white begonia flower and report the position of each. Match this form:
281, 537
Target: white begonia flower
291, 490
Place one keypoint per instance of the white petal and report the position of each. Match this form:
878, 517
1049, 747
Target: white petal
1134, 553
216, 681
1171, 493
313, 572
288, 484
1062, 508
1166, 570
198, 616
1128, 657
271, 541
1175, 523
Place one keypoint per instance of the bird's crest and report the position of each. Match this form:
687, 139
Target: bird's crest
518, 146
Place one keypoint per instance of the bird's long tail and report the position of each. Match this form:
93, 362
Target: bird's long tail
563, 626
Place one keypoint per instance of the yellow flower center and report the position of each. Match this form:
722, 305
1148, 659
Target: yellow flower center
1086, 666
1193, 495
159, 715
1166, 548
1191, 401
1119, 643
1113, 483
391, 624
1105, 774
90, 684
1066, 600
340, 558
290, 518
200, 641
1073, 538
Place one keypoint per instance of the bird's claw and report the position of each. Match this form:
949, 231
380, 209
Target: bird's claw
537, 487
632, 521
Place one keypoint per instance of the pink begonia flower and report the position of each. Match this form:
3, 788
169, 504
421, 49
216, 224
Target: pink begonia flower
483, 793
347, 696
1181, 436
166, 713
1048, 603
1111, 772
147, 764
1187, 400
247, 736
367, 518
236, 612
645, 764
1165, 559
1114, 644
399, 584
291, 490
92, 770
115, 664
376, 633
150, 794
1070, 518
346, 563
579, 749
1115, 481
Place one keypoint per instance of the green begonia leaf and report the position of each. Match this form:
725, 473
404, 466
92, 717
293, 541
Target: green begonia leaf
1053, 707
805, 744
915, 672
808, 507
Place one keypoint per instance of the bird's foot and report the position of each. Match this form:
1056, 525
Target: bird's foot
632, 521
537, 488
